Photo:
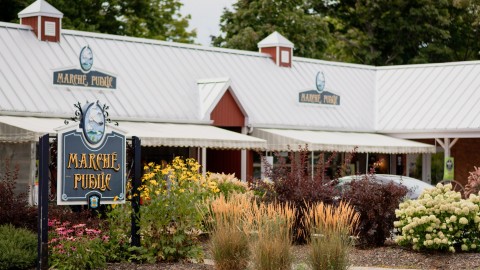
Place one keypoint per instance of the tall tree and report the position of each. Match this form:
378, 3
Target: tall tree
252, 20
386, 32
158, 19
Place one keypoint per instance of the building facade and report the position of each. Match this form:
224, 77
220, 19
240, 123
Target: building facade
222, 106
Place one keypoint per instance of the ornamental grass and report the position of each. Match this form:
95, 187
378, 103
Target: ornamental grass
230, 225
273, 225
331, 230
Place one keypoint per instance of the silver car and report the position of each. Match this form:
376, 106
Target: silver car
415, 186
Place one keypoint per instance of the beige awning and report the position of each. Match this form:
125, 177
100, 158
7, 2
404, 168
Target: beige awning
333, 141
26, 129
18, 129
189, 135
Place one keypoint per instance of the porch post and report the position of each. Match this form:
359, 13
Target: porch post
204, 161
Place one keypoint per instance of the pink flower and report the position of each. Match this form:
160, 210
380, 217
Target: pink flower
81, 225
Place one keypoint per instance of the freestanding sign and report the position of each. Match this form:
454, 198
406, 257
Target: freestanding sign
91, 160
449, 169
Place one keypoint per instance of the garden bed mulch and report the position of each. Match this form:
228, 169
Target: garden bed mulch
389, 256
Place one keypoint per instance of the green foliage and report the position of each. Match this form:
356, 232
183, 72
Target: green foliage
119, 220
157, 19
401, 32
171, 215
18, 248
75, 246
14, 207
252, 21
376, 203
366, 32
440, 220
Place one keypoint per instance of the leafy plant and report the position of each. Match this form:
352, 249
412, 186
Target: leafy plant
74, 246
14, 207
331, 231
376, 202
119, 225
440, 220
171, 216
18, 248
473, 185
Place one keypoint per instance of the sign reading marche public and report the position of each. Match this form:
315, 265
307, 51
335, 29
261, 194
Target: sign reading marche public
85, 76
91, 160
319, 96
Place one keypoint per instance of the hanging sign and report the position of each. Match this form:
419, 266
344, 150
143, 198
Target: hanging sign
319, 95
85, 76
91, 160
448, 171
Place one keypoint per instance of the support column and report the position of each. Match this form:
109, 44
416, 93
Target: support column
42, 248
136, 182
204, 161
427, 167
447, 145
243, 159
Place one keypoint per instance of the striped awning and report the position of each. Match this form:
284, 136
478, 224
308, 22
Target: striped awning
334, 141
26, 129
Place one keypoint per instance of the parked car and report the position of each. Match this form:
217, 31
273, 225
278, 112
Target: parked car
415, 186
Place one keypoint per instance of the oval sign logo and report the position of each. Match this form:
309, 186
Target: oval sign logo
86, 58
93, 123
320, 81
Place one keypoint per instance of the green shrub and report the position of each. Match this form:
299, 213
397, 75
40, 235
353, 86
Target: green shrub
18, 248
119, 225
171, 217
440, 220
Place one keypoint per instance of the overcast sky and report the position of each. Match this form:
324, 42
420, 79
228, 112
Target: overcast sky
205, 17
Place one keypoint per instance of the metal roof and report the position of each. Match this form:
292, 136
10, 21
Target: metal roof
429, 98
169, 82
158, 81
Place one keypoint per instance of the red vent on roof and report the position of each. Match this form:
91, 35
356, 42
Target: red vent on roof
279, 48
44, 19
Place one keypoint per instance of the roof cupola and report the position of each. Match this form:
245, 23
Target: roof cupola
44, 19
279, 48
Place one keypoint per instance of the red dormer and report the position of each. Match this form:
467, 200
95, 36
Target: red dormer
280, 48
45, 20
